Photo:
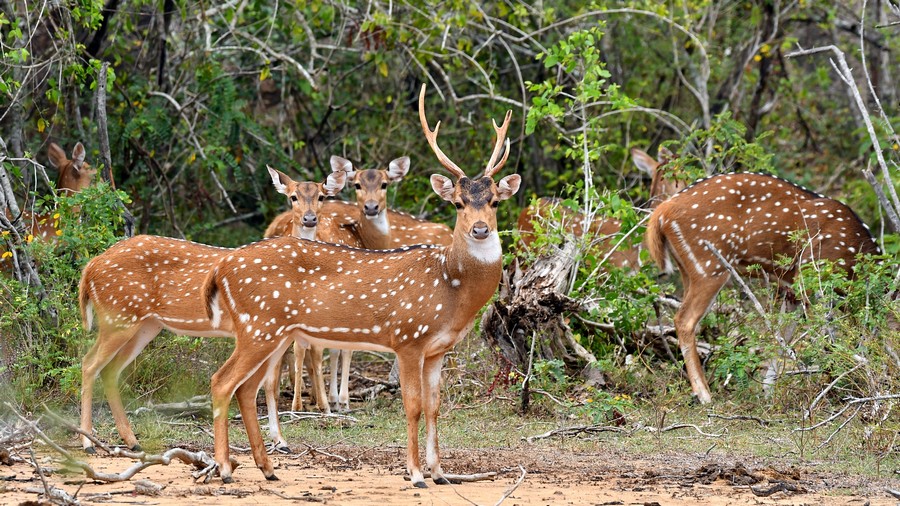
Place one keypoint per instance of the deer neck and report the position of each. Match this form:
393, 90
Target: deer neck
474, 266
308, 233
375, 231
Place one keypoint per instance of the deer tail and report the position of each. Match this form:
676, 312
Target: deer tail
210, 292
655, 240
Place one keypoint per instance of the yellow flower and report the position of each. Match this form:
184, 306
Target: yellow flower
29, 238
757, 57
56, 216
7, 254
5, 232
589, 400
59, 232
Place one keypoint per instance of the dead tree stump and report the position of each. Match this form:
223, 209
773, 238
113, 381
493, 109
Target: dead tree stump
530, 312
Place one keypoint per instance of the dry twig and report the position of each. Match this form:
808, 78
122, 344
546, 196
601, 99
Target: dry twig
513, 488
758, 420
574, 431
205, 466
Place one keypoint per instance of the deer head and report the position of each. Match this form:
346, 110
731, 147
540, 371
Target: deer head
476, 200
306, 199
661, 186
75, 174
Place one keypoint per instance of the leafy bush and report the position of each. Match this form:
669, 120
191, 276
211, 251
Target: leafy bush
45, 336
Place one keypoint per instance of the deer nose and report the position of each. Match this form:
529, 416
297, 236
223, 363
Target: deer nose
310, 219
370, 208
480, 230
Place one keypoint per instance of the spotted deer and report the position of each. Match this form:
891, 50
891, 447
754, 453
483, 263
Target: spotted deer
752, 220
368, 224
74, 175
144, 284
417, 301
605, 230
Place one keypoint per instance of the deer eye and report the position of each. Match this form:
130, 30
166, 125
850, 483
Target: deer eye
495, 204
358, 186
321, 198
293, 198
384, 185
458, 205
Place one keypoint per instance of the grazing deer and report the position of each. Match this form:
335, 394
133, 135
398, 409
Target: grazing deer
368, 224
417, 302
144, 284
604, 229
751, 219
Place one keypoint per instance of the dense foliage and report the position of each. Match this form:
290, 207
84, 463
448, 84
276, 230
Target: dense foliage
200, 96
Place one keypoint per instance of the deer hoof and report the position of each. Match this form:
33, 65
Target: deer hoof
272, 477
440, 480
283, 448
90, 450
137, 448
227, 479
420, 484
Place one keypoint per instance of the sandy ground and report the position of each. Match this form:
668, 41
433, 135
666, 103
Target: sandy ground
356, 475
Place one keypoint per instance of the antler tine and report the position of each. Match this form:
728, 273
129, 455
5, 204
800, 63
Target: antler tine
431, 136
493, 165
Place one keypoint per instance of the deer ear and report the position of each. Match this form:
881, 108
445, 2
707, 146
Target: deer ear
56, 154
335, 183
78, 155
508, 186
279, 179
398, 168
443, 187
342, 164
644, 162
665, 155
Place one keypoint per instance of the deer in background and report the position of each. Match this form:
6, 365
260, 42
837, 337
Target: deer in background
368, 224
417, 302
750, 219
145, 284
74, 175
604, 230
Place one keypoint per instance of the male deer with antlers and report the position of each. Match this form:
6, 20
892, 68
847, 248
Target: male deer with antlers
368, 224
751, 219
604, 230
144, 284
417, 302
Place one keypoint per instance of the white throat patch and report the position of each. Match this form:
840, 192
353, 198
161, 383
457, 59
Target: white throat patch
380, 222
308, 233
486, 251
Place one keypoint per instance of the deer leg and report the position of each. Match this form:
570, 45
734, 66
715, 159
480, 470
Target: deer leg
299, 355
333, 396
698, 297
431, 393
110, 376
104, 349
271, 384
411, 369
316, 379
245, 361
246, 398
344, 395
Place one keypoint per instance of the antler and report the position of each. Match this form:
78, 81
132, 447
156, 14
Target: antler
431, 136
499, 144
